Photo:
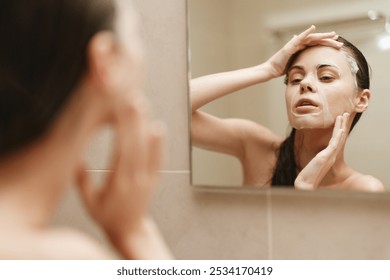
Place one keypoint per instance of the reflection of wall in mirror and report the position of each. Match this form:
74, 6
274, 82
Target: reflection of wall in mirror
230, 34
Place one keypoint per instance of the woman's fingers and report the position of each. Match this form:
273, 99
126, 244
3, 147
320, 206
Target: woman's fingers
132, 127
339, 135
326, 42
155, 155
321, 36
308, 38
308, 35
138, 153
335, 142
87, 192
345, 127
345, 120
305, 33
316, 169
337, 124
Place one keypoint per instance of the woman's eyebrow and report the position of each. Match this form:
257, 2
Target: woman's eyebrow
319, 66
298, 67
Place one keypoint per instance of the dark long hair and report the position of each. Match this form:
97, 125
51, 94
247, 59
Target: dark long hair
42, 59
285, 171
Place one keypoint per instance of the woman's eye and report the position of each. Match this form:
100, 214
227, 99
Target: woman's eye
295, 81
326, 78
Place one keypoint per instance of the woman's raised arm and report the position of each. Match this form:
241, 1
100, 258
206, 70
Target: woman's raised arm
211, 87
230, 136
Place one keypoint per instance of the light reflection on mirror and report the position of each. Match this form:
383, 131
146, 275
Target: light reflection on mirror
232, 34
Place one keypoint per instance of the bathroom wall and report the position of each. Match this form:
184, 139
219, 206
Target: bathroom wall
211, 39
222, 223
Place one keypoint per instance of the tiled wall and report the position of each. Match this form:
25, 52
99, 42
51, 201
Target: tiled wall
199, 224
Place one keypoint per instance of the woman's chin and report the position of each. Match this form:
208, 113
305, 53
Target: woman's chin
311, 124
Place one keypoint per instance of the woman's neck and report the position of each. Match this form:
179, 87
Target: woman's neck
308, 143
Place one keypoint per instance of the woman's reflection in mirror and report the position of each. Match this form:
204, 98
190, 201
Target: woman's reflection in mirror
327, 90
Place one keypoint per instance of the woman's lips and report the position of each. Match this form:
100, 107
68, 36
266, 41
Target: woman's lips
304, 106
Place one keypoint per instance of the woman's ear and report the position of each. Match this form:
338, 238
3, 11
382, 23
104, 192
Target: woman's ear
362, 100
103, 67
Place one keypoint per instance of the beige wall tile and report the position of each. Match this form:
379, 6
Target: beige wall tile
211, 225
163, 26
331, 227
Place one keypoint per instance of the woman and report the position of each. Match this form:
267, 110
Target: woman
67, 68
327, 89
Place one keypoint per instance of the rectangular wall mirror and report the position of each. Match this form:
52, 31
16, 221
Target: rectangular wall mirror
227, 35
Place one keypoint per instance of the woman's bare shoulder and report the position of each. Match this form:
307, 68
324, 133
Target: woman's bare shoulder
75, 245
367, 183
65, 244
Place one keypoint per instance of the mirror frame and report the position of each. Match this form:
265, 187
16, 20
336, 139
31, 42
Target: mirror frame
279, 190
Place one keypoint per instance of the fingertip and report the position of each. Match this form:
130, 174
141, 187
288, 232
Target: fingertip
311, 29
159, 129
83, 182
340, 134
158, 133
337, 123
157, 139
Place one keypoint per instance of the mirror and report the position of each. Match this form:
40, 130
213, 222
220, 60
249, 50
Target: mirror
232, 34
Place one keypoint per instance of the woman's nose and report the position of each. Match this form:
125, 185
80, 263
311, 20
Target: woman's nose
307, 85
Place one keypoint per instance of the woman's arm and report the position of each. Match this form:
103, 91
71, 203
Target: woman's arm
211, 87
231, 136
208, 88
228, 136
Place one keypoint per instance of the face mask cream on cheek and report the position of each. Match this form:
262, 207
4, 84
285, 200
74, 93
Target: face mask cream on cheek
324, 117
320, 109
327, 118
305, 111
343, 105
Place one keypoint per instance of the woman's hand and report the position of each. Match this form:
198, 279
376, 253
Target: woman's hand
121, 204
313, 173
307, 38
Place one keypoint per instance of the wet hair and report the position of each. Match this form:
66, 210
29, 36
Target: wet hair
285, 171
42, 59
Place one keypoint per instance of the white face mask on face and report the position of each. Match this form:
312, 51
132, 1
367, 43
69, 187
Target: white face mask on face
319, 89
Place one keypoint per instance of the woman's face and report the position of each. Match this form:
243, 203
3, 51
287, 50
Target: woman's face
320, 87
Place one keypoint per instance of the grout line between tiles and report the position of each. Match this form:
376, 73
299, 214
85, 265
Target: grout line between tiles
160, 171
176, 171
269, 226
